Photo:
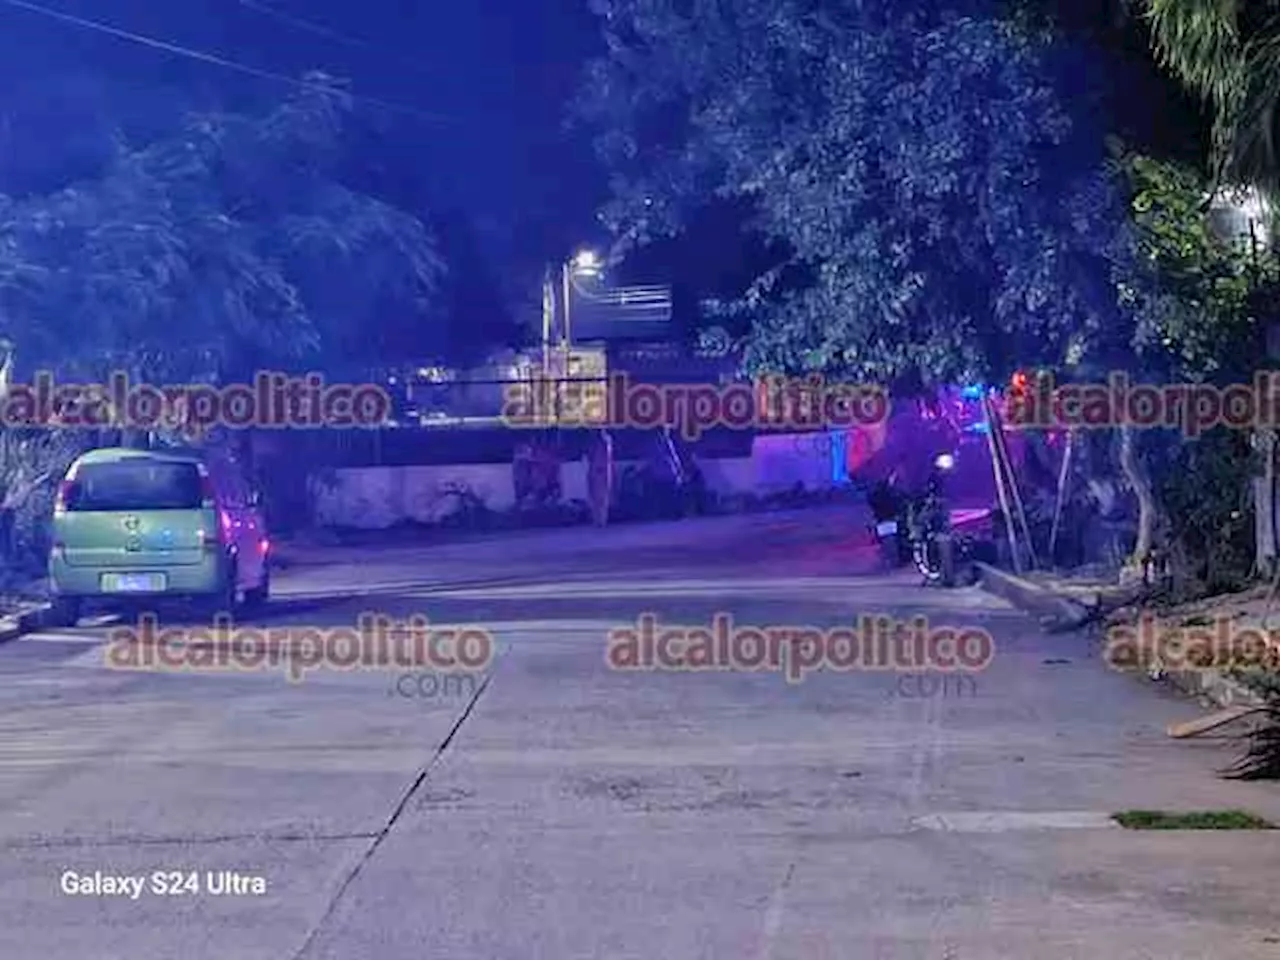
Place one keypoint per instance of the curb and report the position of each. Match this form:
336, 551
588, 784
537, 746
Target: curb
1218, 688
29, 621
1056, 613
1059, 615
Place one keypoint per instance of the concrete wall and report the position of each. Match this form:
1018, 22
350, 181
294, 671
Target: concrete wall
379, 497
780, 461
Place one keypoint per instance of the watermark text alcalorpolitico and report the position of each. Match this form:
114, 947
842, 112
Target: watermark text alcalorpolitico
274, 400
1221, 643
1193, 408
378, 642
770, 403
873, 643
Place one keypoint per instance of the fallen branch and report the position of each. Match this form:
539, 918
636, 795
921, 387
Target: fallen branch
1205, 724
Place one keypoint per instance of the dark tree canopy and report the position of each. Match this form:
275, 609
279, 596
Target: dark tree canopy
227, 244
943, 215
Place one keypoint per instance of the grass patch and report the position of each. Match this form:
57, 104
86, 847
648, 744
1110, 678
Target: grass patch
1196, 820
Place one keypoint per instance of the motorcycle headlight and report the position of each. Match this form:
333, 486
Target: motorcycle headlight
944, 461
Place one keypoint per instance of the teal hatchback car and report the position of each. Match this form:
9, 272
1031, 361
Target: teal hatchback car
133, 525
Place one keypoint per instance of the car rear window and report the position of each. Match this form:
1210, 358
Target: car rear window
136, 485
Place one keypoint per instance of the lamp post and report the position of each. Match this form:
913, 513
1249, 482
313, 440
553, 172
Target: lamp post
585, 263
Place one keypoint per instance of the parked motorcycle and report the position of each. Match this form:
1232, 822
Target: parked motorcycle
889, 514
929, 526
936, 550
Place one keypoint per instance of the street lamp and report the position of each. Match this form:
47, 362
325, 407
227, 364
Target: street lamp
585, 263
1241, 215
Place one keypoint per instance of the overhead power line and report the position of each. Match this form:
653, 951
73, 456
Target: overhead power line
328, 33
214, 59
307, 25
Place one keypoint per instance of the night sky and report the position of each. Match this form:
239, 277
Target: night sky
496, 72
491, 79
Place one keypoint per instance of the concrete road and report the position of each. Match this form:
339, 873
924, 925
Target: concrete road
553, 807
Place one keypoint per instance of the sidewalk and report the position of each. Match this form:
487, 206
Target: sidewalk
1064, 603
21, 609
1233, 614
20, 594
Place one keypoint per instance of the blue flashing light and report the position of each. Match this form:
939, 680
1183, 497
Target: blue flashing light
839, 457
974, 391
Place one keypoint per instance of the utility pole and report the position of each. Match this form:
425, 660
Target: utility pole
566, 339
544, 385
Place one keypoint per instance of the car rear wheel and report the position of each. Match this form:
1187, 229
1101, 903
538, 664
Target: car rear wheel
64, 612
223, 600
258, 596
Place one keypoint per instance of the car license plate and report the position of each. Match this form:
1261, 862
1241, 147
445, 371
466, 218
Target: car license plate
888, 528
133, 582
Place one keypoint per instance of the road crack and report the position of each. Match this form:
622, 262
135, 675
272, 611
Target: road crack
403, 804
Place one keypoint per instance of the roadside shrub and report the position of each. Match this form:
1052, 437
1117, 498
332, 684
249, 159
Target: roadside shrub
32, 462
1206, 488
1261, 757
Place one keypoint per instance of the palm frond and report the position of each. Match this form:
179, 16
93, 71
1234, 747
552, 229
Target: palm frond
1260, 759
1255, 157
1200, 43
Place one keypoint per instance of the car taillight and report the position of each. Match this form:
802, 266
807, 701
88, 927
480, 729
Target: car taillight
215, 539
207, 494
63, 497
